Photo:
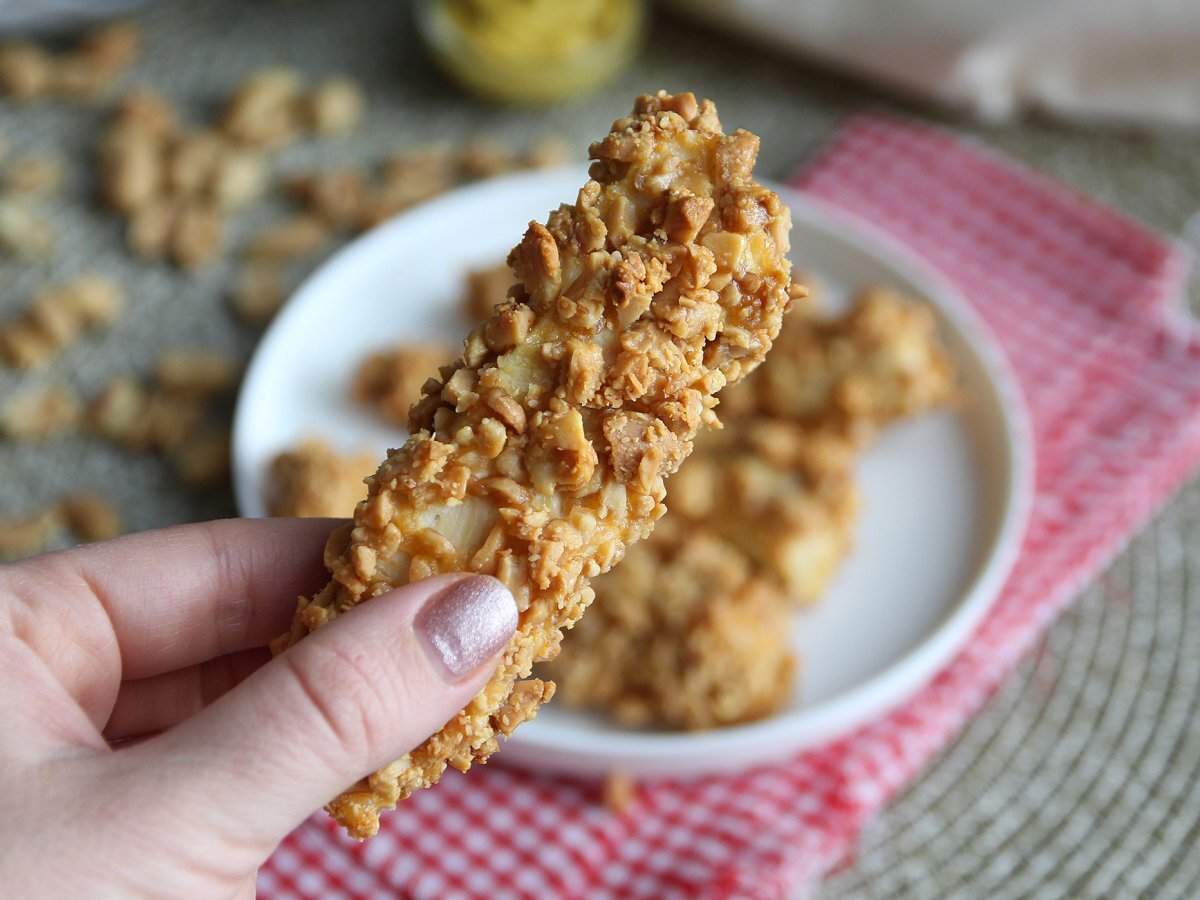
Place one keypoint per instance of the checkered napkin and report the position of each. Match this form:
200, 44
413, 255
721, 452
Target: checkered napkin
1086, 304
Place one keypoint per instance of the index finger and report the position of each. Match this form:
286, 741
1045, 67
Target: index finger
182, 595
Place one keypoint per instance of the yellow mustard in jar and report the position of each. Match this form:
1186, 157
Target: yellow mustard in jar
532, 51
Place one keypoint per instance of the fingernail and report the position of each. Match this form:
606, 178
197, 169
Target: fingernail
466, 625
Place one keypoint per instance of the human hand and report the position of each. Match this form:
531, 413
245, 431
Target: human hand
162, 636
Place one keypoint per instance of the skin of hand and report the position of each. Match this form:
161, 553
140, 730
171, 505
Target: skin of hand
151, 747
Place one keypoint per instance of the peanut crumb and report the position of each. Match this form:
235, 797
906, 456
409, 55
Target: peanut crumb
35, 414
620, 790
294, 238
335, 106
485, 157
90, 517
196, 372
202, 460
24, 231
265, 109
196, 235
25, 536
485, 288
57, 315
33, 175
258, 293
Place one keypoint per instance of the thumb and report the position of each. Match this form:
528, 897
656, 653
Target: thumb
348, 699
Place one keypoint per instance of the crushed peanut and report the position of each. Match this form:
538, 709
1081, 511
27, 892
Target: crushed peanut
196, 372
28, 535
485, 289
28, 71
619, 791
57, 316
202, 460
90, 517
340, 196
34, 414
258, 293
265, 109
486, 157
335, 106
294, 238
546, 152
24, 231
33, 175
196, 236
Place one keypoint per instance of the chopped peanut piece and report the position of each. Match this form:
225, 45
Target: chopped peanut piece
24, 233
294, 238
484, 157
90, 517
144, 111
30, 535
56, 317
239, 179
340, 197
26, 70
547, 152
336, 106
409, 178
265, 108
200, 373
111, 48
24, 346
193, 161
258, 293
101, 57
132, 169
196, 235
148, 232
118, 412
619, 791
202, 461
485, 290
96, 299
505, 474
35, 414
34, 175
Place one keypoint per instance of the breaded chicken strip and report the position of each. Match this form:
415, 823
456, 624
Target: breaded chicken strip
541, 453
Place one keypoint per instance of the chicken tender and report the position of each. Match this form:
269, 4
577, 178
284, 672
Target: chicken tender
541, 454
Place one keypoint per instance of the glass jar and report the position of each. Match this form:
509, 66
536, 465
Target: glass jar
532, 51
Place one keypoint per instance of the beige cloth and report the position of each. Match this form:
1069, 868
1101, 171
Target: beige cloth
1131, 61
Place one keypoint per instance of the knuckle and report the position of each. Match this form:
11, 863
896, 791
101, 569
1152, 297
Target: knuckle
347, 694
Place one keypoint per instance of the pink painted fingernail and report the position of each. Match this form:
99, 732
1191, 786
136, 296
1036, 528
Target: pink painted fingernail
466, 625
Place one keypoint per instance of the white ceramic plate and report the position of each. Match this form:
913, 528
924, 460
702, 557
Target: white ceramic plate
945, 496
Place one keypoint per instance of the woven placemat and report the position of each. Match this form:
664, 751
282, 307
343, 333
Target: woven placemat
1080, 777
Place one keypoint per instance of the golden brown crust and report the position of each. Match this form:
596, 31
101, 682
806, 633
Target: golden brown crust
390, 382
535, 460
312, 479
692, 630
685, 633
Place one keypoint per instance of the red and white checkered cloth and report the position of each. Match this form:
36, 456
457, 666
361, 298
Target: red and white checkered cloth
1085, 302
